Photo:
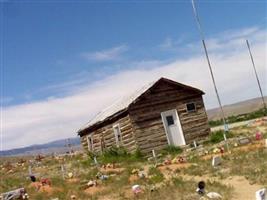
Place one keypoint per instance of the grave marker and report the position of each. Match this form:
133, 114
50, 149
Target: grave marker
30, 170
63, 171
244, 141
195, 144
216, 161
154, 156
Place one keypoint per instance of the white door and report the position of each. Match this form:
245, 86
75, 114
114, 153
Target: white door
173, 128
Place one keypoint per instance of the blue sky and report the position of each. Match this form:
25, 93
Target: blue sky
43, 42
54, 51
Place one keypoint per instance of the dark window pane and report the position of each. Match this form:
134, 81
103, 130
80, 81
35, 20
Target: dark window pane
169, 120
191, 107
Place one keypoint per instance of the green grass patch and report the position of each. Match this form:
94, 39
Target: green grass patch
155, 175
172, 150
217, 136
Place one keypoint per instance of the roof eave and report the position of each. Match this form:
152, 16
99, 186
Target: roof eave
100, 124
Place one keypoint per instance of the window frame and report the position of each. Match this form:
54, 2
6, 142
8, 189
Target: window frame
190, 111
172, 120
118, 139
90, 142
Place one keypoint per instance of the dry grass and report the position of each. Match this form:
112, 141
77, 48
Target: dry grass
167, 184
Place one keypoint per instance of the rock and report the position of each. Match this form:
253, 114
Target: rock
244, 141
73, 197
103, 177
216, 150
214, 195
152, 188
135, 171
216, 161
70, 175
142, 174
261, 194
91, 183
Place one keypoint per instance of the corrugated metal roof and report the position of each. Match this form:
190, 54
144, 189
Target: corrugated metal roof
124, 102
117, 106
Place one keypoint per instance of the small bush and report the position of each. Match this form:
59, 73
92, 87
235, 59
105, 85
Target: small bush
217, 136
87, 162
115, 151
120, 155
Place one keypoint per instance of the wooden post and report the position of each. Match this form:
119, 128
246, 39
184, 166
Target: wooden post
154, 156
63, 171
30, 170
195, 144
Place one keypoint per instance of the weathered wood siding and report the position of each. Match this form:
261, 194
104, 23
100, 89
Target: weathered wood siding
146, 118
104, 137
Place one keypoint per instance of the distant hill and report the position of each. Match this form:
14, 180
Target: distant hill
236, 108
58, 146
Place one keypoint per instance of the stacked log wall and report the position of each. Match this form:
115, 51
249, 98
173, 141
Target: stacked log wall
147, 122
104, 137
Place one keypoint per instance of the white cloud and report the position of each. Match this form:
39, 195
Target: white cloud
57, 118
167, 43
107, 54
170, 44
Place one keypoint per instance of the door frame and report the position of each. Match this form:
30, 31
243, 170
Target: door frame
178, 124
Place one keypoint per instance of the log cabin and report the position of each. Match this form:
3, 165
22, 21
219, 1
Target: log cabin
161, 113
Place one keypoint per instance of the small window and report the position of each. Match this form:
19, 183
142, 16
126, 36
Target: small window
117, 133
90, 143
170, 120
191, 107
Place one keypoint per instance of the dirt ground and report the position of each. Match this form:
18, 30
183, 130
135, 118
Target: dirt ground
241, 174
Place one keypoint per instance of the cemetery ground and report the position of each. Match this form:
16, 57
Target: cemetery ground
241, 170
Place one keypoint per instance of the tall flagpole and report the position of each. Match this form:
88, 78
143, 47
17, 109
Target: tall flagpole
256, 74
210, 68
